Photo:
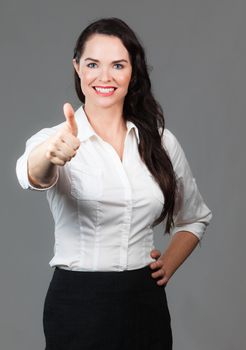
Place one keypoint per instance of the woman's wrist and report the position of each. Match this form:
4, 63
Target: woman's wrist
41, 172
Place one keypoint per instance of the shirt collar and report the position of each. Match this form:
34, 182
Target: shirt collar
85, 130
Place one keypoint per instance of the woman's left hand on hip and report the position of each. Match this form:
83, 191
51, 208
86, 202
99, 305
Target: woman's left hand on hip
160, 272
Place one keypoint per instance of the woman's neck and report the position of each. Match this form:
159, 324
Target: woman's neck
107, 122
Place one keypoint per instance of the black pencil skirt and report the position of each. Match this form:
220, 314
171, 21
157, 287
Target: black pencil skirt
106, 310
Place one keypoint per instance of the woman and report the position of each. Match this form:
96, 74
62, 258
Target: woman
107, 169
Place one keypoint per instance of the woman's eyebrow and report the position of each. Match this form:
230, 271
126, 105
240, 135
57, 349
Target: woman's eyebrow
94, 59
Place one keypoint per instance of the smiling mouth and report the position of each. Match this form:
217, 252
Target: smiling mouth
104, 91
105, 88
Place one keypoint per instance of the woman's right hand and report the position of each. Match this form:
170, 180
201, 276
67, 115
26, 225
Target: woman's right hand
63, 146
57, 150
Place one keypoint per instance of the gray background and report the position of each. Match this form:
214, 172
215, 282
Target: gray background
197, 50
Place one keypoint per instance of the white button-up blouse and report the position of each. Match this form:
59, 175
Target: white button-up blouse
103, 208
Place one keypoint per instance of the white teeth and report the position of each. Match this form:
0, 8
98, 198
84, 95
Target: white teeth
104, 90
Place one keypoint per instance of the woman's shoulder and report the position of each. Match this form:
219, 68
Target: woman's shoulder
169, 141
169, 135
173, 148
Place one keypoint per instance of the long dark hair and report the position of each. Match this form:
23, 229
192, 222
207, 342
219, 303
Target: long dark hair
140, 107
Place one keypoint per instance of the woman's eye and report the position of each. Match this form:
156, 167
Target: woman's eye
89, 64
118, 64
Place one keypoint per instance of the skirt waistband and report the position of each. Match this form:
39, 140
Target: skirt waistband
126, 280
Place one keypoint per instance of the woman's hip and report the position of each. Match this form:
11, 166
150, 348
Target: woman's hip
106, 305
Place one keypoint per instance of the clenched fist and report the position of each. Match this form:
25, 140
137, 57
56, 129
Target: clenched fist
62, 146
55, 151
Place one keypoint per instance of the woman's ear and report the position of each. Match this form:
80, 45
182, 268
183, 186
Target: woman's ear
76, 66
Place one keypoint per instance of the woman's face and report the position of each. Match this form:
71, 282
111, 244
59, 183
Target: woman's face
105, 63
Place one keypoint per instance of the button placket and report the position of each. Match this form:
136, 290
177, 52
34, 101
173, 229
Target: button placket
125, 230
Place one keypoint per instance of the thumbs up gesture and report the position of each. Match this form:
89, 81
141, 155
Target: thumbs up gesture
70, 119
62, 146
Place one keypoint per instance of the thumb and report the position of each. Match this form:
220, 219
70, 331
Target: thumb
155, 253
70, 118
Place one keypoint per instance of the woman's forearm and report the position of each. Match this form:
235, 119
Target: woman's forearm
41, 171
179, 248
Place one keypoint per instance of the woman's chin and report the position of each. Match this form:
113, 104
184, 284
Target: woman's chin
104, 102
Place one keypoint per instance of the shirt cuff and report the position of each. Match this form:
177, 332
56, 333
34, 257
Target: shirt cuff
22, 175
32, 186
196, 228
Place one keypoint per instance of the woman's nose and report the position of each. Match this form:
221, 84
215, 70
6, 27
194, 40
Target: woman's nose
105, 75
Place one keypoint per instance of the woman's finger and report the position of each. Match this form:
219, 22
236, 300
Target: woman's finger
157, 264
158, 273
162, 282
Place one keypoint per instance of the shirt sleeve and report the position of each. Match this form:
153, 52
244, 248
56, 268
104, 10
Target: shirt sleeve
21, 164
190, 212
